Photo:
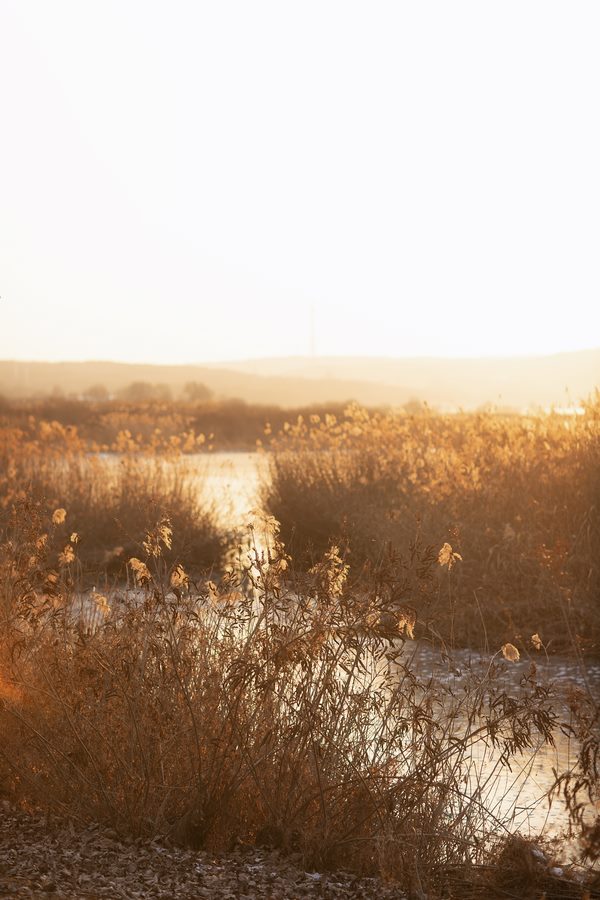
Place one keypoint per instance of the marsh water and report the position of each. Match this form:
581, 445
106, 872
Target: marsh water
232, 482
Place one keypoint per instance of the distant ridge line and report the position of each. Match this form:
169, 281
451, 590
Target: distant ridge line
517, 382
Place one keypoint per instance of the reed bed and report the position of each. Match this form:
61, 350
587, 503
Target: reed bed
230, 424
113, 496
275, 708
276, 701
517, 497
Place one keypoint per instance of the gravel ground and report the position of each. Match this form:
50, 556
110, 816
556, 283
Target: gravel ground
41, 858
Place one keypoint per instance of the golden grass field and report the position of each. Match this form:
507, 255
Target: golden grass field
516, 496
269, 694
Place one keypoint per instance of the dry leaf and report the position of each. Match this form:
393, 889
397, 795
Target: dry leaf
510, 652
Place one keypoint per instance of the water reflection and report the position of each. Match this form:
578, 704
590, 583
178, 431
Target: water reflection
231, 483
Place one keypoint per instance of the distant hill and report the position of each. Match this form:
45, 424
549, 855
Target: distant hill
513, 381
19, 379
518, 382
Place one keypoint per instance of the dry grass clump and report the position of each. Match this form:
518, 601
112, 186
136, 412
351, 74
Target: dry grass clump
517, 497
272, 708
111, 498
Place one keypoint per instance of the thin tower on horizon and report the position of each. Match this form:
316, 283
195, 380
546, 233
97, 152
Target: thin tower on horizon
311, 331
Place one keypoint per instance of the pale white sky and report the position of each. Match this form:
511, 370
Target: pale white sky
182, 181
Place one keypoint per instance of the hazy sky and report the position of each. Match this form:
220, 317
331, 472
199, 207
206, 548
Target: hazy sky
183, 181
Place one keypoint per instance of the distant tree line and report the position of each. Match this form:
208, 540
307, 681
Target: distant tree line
147, 392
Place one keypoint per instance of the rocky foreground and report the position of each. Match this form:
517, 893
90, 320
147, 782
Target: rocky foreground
41, 857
